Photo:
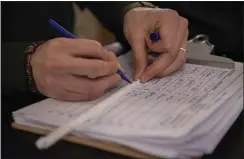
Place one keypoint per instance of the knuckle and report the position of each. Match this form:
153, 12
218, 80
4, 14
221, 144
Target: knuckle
98, 46
185, 22
54, 43
103, 69
96, 43
111, 56
173, 12
94, 71
110, 67
114, 67
98, 69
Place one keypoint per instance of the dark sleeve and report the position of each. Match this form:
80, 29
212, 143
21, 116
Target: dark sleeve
23, 24
13, 69
111, 15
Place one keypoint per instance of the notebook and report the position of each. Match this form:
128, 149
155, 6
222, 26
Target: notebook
183, 115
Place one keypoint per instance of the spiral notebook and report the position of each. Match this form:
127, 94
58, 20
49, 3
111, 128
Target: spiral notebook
185, 114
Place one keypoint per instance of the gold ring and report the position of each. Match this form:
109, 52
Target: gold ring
183, 49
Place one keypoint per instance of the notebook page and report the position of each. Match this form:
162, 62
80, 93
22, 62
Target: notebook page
169, 106
208, 127
203, 144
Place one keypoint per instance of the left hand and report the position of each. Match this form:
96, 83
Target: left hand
173, 29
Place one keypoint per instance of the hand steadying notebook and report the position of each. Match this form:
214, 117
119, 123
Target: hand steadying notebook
178, 116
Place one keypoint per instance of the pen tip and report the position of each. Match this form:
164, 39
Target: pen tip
123, 76
128, 80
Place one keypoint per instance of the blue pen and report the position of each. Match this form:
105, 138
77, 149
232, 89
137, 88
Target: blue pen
67, 34
154, 36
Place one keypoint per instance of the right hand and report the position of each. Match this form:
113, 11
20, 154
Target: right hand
73, 69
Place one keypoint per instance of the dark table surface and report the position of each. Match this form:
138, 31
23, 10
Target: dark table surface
20, 145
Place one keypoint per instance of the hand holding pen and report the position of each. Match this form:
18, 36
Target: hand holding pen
162, 31
74, 69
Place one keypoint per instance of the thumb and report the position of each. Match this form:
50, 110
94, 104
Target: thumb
140, 55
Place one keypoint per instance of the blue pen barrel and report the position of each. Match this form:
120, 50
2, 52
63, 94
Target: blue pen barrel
61, 29
154, 36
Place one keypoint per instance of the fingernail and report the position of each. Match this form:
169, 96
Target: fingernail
144, 78
137, 76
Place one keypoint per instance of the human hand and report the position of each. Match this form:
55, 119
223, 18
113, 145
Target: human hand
73, 69
172, 46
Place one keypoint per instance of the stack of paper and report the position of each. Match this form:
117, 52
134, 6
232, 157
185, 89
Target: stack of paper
179, 116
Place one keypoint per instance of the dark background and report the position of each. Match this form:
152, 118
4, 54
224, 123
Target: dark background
20, 145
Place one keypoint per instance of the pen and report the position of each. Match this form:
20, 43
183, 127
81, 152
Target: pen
67, 34
154, 36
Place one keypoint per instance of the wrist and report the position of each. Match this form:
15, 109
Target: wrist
29, 52
134, 5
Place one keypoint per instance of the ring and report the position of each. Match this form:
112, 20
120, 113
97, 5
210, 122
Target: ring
183, 50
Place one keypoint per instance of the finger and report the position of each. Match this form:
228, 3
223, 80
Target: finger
114, 58
139, 54
160, 63
171, 54
83, 48
182, 32
90, 86
111, 56
176, 65
168, 34
121, 68
92, 68
180, 59
72, 88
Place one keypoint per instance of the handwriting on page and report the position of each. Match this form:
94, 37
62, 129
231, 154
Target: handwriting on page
65, 111
156, 103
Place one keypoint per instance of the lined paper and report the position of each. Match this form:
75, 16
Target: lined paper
152, 105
